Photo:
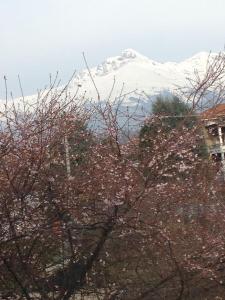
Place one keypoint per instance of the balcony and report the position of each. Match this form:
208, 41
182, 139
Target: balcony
216, 148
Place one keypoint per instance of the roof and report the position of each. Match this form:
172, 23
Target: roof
214, 112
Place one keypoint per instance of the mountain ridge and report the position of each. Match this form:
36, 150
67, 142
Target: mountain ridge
132, 71
134, 75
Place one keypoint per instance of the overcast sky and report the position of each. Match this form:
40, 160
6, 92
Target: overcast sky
38, 37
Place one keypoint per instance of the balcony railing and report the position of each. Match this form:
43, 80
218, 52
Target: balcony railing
216, 148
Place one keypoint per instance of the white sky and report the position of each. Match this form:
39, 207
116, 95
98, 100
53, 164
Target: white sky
38, 37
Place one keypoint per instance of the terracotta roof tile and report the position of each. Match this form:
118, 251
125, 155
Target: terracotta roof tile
216, 111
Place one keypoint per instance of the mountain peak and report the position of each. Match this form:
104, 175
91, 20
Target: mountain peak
114, 63
203, 55
132, 71
131, 53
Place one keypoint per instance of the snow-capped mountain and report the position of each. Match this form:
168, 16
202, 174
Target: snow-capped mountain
134, 75
138, 76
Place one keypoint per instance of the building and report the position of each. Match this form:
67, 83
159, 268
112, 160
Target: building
214, 131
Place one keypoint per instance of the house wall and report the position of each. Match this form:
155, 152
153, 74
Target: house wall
210, 140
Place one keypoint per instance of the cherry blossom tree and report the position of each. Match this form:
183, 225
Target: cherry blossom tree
111, 218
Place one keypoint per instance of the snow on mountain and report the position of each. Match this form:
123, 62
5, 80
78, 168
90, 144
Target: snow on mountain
133, 72
136, 75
